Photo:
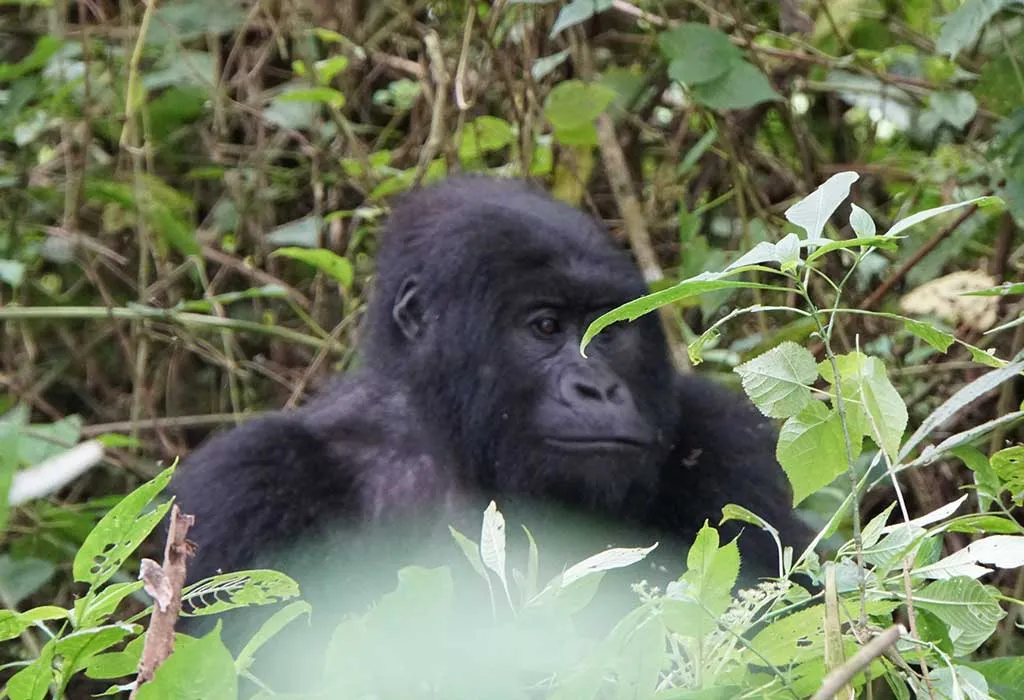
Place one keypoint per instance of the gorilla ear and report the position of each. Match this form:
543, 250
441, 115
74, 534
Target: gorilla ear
408, 311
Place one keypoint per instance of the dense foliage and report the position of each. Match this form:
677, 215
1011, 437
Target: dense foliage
826, 198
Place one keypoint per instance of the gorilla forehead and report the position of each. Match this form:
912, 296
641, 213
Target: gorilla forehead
473, 229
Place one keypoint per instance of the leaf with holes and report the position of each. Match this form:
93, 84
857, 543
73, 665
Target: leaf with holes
120, 532
238, 589
1008, 465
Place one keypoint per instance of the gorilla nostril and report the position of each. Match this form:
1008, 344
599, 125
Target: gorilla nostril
588, 391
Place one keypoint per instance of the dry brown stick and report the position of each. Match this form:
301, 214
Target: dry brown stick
636, 226
164, 584
834, 681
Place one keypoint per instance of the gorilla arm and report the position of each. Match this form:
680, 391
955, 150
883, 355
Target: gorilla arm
725, 453
310, 476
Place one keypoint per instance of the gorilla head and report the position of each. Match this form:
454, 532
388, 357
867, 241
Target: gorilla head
484, 290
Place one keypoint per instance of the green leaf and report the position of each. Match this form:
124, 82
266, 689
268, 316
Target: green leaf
966, 605
778, 381
324, 260
277, 622
45, 48
812, 450
940, 340
198, 671
483, 135
698, 53
920, 216
116, 664
12, 273
120, 532
1005, 675
864, 243
956, 108
20, 578
1005, 289
304, 232
865, 378
573, 103
33, 681
861, 222
694, 286
13, 623
961, 29
95, 608
577, 12
813, 211
77, 649
319, 95
238, 589
742, 87
545, 64
1008, 465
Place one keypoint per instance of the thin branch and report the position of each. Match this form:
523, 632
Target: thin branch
164, 584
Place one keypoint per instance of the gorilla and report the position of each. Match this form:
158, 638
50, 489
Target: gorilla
472, 388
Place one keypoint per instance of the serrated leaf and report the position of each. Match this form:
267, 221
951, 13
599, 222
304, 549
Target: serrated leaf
1001, 551
865, 379
813, 211
812, 450
778, 381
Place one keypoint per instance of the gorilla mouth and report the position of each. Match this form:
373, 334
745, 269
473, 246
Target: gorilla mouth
596, 444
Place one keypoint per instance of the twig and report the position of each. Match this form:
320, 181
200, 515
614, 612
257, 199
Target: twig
439, 76
869, 652
164, 584
636, 226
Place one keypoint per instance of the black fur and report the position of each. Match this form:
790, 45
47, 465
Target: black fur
459, 395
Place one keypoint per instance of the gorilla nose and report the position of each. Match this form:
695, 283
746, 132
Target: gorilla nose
576, 386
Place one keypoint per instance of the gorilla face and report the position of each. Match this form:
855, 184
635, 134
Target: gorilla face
499, 301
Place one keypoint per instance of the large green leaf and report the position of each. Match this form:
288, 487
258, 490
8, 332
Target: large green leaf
779, 381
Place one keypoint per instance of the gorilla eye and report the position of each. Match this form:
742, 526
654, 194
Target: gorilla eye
546, 326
